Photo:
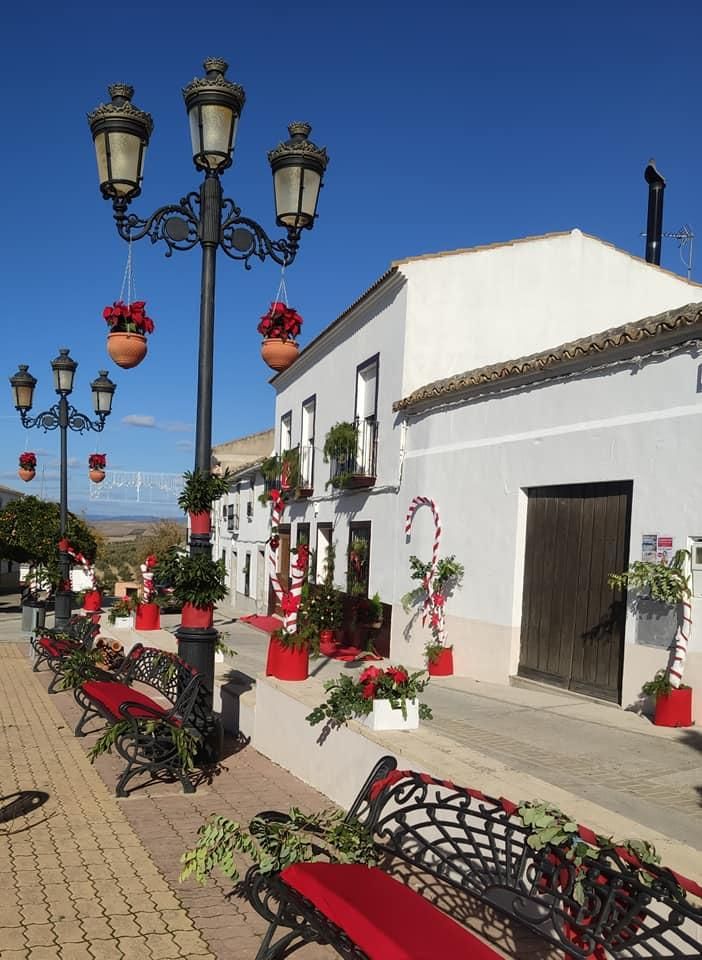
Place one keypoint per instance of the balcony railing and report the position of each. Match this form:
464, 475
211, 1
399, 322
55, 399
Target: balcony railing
306, 461
358, 467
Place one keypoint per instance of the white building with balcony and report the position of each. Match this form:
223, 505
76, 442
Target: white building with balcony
241, 524
491, 380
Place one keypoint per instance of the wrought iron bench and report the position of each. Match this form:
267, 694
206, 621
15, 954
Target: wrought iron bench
53, 646
148, 747
450, 854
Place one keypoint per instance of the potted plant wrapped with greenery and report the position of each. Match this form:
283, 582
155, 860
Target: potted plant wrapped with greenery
429, 601
382, 699
668, 584
199, 493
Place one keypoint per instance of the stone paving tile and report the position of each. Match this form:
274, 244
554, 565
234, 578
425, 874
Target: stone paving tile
61, 887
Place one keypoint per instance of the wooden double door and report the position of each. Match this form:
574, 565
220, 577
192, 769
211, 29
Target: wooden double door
572, 633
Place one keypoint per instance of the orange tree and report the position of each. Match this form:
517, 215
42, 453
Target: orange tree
29, 533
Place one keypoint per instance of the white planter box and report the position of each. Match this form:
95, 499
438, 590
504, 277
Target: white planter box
123, 623
384, 717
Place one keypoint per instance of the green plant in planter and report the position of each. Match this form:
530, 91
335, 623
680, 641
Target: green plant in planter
340, 446
304, 637
124, 607
273, 844
202, 489
349, 697
198, 580
283, 472
664, 583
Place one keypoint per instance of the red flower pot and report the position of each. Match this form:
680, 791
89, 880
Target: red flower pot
126, 349
279, 354
287, 663
148, 617
443, 665
92, 601
200, 522
327, 643
24, 473
97, 476
674, 709
192, 616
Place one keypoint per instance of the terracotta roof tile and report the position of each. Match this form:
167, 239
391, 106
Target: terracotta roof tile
675, 326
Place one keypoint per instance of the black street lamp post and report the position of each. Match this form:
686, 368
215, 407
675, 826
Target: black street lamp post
121, 134
64, 417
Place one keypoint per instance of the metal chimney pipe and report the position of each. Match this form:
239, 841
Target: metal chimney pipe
654, 224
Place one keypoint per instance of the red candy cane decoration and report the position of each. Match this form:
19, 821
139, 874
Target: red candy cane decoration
289, 599
433, 608
147, 573
682, 639
78, 558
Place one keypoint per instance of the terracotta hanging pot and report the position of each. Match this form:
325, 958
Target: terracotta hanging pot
126, 349
26, 474
97, 476
279, 354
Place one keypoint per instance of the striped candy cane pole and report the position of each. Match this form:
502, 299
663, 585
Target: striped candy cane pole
431, 611
682, 639
82, 562
296, 581
276, 516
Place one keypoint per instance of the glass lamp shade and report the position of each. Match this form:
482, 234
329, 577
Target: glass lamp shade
121, 135
214, 105
103, 390
23, 384
298, 166
64, 368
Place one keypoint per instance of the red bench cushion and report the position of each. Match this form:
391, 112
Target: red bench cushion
382, 916
57, 647
111, 695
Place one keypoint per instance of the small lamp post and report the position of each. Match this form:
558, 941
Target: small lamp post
213, 103
65, 418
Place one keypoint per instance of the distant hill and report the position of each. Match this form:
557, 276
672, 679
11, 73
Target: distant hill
129, 528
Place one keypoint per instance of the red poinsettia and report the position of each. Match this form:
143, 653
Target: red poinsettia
28, 461
97, 461
281, 322
128, 317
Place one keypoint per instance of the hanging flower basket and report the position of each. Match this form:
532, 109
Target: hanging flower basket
129, 327
279, 328
27, 466
96, 464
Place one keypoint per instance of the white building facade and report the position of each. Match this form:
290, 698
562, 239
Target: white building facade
553, 463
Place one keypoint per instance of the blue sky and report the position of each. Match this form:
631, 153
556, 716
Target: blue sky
448, 125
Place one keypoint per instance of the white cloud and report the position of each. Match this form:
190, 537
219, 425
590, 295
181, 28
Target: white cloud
184, 444
139, 420
175, 426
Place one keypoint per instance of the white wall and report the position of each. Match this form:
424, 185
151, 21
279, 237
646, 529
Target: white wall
251, 536
477, 308
330, 374
476, 460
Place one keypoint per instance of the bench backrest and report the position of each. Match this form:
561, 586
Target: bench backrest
172, 677
479, 846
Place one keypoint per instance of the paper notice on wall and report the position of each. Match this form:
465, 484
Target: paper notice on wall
649, 547
664, 550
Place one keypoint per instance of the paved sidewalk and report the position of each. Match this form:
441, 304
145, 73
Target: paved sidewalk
88, 877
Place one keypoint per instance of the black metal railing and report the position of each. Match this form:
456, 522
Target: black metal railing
306, 468
358, 466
